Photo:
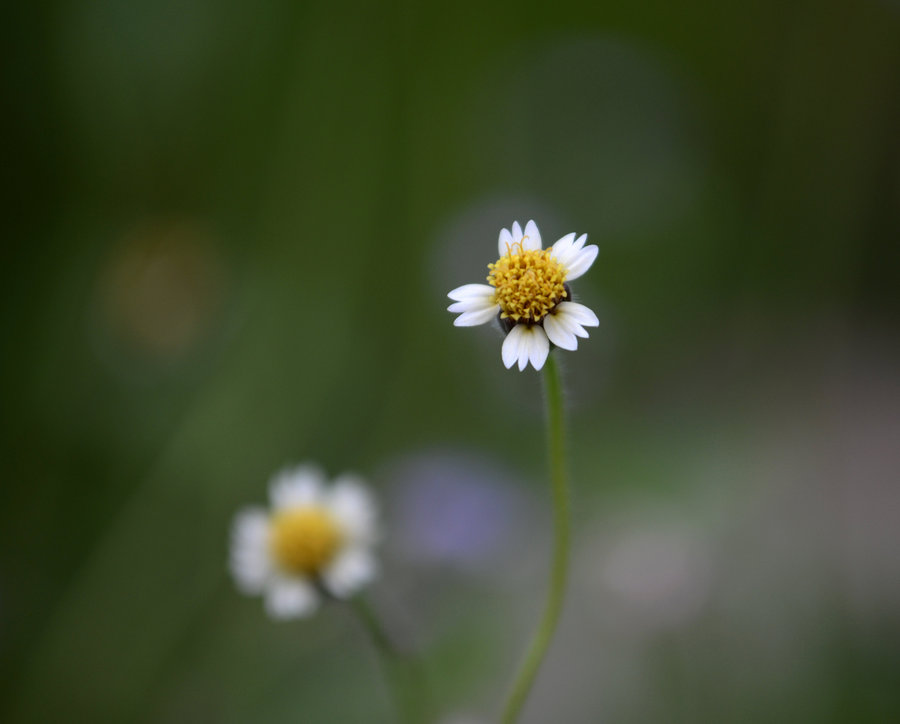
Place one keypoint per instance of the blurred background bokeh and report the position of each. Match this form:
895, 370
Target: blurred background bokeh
230, 231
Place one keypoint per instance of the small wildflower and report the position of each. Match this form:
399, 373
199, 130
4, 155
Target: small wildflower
314, 540
528, 291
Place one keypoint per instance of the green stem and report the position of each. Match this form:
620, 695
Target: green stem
401, 671
558, 571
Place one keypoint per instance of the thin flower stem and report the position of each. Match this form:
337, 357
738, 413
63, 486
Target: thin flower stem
401, 671
561, 535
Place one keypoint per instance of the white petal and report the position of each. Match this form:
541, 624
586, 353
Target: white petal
474, 311
525, 344
471, 291
539, 348
563, 250
567, 322
574, 327
578, 313
563, 244
580, 262
510, 350
568, 249
474, 304
476, 317
248, 557
504, 242
516, 233
532, 238
558, 332
524, 348
350, 571
354, 508
292, 487
291, 598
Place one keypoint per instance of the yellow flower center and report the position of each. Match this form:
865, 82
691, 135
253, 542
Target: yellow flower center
529, 284
303, 540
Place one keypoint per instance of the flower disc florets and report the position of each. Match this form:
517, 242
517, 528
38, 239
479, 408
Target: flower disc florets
304, 540
529, 284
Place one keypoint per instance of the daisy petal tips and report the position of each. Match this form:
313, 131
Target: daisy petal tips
476, 304
313, 538
528, 290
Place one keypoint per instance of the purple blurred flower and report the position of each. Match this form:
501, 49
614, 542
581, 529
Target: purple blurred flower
456, 508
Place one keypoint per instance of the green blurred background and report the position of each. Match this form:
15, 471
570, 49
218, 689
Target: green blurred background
231, 228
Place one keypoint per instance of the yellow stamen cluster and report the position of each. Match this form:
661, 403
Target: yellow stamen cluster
304, 540
529, 284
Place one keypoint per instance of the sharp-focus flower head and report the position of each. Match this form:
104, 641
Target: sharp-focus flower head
528, 290
314, 539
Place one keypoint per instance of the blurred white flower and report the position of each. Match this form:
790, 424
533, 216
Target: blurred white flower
528, 288
314, 539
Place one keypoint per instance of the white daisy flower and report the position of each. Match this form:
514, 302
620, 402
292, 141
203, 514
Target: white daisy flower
528, 289
313, 540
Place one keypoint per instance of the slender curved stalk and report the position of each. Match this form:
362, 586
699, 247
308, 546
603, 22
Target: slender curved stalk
559, 566
401, 672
